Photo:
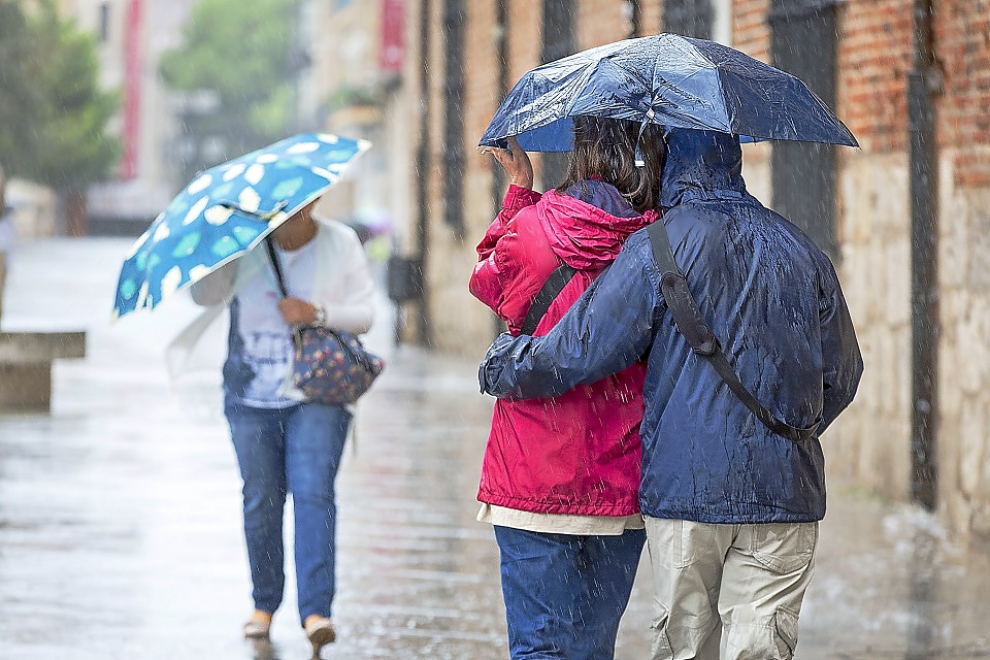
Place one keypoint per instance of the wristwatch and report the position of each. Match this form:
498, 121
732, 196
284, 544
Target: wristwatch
321, 316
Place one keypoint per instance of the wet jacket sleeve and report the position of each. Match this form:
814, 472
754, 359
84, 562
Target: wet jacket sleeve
501, 253
842, 363
354, 311
609, 328
516, 199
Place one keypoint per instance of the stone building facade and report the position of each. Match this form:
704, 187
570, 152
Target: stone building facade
857, 54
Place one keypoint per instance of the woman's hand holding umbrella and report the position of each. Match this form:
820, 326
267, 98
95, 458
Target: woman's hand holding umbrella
516, 163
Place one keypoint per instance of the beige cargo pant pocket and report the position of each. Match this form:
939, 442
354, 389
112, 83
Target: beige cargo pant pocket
775, 639
785, 547
695, 643
661, 643
775, 561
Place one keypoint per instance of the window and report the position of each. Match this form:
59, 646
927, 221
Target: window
454, 159
103, 22
691, 18
803, 42
558, 42
703, 19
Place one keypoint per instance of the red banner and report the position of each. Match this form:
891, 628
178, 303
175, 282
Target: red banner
393, 45
132, 91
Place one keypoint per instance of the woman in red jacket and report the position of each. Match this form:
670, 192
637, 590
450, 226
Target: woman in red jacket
560, 475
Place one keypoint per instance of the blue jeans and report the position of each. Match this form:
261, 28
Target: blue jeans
564, 594
290, 450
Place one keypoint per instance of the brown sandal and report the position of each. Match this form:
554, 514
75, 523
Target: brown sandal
320, 632
258, 627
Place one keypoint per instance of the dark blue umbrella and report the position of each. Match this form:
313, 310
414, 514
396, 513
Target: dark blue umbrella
664, 79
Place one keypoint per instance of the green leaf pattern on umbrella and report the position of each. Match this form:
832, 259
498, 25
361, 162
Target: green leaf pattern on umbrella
200, 231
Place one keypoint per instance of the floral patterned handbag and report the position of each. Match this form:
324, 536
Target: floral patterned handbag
329, 366
332, 366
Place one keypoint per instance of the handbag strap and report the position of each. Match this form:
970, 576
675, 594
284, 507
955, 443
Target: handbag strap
280, 281
547, 294
276, 266
700, 336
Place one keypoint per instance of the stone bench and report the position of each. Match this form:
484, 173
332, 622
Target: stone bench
26, 367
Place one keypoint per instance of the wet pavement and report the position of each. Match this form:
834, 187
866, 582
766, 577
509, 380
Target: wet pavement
120, 527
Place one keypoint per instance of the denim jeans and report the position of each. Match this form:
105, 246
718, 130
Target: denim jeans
290, 450
564, 594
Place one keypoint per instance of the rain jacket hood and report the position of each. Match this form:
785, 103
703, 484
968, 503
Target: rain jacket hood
701, 165
773, 300
588, 224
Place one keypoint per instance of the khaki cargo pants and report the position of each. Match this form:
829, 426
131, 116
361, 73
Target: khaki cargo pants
751, 579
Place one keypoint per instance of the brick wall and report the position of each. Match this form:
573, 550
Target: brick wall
651, 12
963, 44
875, 55
525, 37
601, 22
871, 443
451, 258
750, 32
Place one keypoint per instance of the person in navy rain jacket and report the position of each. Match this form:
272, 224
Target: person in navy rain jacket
731, 508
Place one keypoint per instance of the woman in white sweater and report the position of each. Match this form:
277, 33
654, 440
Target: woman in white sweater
283, 444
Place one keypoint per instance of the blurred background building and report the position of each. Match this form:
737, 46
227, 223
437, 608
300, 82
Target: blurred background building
131, 36
906, 218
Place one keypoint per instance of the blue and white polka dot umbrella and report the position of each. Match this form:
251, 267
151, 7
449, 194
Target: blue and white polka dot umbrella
226, 211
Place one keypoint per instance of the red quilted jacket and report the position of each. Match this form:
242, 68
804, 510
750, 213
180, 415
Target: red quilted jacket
578, 453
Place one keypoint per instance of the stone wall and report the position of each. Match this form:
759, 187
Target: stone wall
964, 374
870, 442
963, 45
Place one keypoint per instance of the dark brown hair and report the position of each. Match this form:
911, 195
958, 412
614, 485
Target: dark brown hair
606, 149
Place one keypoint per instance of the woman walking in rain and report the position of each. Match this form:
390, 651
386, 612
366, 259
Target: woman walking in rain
560, 475
284, 445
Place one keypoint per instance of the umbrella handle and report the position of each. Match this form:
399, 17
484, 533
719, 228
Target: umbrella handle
642, 127
255, 215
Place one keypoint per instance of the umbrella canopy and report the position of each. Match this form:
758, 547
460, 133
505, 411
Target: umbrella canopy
226, 211
664, 79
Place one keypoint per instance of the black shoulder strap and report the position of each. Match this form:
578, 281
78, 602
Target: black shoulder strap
276, 266
548, 292
699, 335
